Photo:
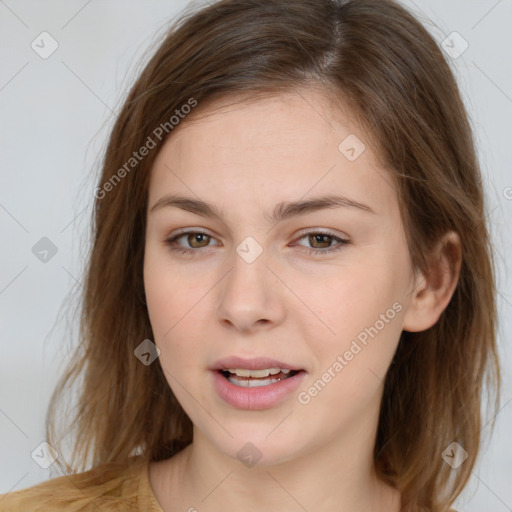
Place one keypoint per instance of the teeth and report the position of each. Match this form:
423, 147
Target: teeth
255, 378
257, 374
252, 383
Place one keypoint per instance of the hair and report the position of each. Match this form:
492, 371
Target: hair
380, 60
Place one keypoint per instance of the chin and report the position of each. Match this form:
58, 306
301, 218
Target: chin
253, 446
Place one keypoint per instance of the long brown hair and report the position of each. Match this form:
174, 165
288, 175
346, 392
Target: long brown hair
377, 58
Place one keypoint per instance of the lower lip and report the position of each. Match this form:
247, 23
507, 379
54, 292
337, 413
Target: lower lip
262, 397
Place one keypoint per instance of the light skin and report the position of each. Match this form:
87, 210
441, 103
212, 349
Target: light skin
288, 304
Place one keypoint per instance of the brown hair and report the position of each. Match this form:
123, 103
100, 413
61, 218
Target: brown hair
376, 57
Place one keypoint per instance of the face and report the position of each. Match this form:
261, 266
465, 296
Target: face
284, 261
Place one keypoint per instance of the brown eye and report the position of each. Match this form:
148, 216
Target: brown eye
189, 242
322, 243
323, 240
198, 240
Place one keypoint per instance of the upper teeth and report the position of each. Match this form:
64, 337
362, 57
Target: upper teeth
242, 372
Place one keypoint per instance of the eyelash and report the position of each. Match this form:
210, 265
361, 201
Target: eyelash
171, 242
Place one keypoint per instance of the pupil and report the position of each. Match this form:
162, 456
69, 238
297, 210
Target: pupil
197, 239
321, 239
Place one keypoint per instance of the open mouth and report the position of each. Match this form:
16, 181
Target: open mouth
257, 383
256, 378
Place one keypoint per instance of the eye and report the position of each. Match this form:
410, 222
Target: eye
194, 239
321, 242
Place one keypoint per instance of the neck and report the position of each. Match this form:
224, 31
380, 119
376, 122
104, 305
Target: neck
334, 475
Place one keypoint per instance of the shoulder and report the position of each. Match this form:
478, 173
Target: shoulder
108, 487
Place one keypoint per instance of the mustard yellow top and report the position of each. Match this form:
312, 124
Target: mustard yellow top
107, 488
111, 487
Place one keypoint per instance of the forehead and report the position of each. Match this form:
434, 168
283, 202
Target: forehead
294, 117
290, 143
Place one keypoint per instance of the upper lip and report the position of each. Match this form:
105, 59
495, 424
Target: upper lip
257, 363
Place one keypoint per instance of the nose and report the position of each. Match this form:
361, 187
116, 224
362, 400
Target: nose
251, 297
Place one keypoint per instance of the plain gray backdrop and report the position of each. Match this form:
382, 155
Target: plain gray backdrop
56, 111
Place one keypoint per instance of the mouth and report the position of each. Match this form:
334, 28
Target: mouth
255, 383
247, 378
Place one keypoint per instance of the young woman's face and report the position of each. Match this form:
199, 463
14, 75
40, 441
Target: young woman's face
245, 269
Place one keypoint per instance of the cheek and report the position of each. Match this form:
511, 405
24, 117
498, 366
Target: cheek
175, 311
167, 311
361, 322
343, 304
169, 293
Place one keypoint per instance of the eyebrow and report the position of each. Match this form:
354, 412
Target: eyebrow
282, 211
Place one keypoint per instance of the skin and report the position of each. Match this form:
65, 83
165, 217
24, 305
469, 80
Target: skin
289, 304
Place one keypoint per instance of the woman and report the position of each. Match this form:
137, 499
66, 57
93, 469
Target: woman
290, 300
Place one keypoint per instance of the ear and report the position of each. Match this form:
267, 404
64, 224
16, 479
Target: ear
432, 292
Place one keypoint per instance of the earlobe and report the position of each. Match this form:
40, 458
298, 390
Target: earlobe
433, 290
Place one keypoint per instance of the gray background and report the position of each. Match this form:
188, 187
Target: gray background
55, 116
